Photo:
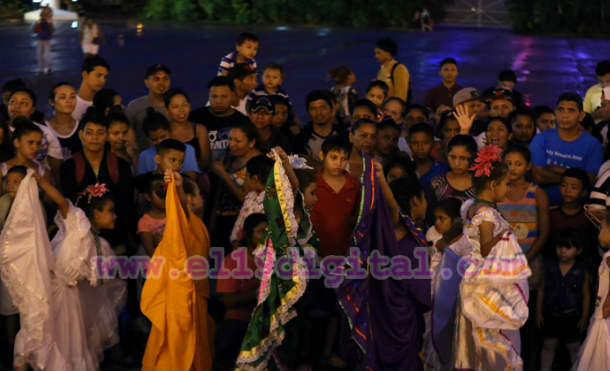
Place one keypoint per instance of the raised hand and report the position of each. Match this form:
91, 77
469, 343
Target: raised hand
464, 120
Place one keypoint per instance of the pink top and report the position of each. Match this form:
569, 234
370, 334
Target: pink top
149, 224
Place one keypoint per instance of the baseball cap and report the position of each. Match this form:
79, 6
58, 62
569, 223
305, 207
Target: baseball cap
151, 70
500, 93
240, 70
465, 95
260, 102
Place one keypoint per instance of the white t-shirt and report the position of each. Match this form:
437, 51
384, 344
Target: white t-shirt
241, 107
90, 33
81, 108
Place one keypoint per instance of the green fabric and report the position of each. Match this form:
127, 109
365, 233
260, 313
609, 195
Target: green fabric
264, 344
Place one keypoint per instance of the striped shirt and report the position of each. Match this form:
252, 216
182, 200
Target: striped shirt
523, 217
600, 195
229, 61
260, 91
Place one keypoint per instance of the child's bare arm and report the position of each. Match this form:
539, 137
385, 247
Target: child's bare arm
488, 240
606, 307
544, 223
149, 242
387, 192
179, 189
53, 194
237, 191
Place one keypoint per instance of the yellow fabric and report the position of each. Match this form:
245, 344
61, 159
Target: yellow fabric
182, 332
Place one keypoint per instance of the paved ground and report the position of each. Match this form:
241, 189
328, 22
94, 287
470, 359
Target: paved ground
546, 66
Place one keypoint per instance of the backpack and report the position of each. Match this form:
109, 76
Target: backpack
409, 92
112, 164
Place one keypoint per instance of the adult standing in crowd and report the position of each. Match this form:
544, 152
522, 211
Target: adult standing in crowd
157, 80
392, 72
94, 73
443, 94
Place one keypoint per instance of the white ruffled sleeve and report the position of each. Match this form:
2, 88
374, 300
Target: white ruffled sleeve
74, 246
484, 214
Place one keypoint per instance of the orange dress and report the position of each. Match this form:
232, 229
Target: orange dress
182, 333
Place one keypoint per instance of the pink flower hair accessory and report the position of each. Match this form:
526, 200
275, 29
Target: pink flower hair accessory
486, 157
93, 191
97, 190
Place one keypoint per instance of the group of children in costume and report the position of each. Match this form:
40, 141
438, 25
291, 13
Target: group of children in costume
68, 308
455, 297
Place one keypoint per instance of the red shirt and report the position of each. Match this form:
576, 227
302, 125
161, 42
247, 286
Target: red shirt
334, 215
238, 285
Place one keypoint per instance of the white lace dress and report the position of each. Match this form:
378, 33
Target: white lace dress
87, 305
493, 298
26, 267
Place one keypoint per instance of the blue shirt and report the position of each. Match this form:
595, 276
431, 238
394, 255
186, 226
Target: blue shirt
438, 168
548, 148
230, 60
146, 162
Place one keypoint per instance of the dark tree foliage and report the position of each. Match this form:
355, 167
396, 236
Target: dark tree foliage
350, 13
560, 16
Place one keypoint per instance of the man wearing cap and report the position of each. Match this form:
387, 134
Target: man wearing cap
157, 80
470, 99
260, 112
392, 72
320, 108
501, 103
244, 79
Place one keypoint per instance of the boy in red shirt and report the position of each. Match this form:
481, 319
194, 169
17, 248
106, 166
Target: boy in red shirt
333, 218
338, 193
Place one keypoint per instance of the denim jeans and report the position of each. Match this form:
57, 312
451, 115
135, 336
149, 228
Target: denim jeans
44, 54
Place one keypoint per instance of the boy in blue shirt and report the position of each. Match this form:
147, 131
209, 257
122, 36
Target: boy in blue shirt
246, 47
421, 142
156, 127
555, 150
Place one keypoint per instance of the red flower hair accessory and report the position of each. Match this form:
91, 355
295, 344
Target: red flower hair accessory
483, 164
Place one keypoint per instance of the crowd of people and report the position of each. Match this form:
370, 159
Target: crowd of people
480, 222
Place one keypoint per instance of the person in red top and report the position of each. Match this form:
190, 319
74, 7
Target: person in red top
338, 193
238, 293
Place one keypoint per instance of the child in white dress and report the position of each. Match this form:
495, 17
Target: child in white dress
448, 245
26, 267
494, 291
68, 316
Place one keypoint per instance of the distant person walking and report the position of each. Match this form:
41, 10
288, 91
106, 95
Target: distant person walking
44, 31
426, 20
90, 37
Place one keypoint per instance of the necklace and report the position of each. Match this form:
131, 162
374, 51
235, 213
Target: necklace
489, 203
